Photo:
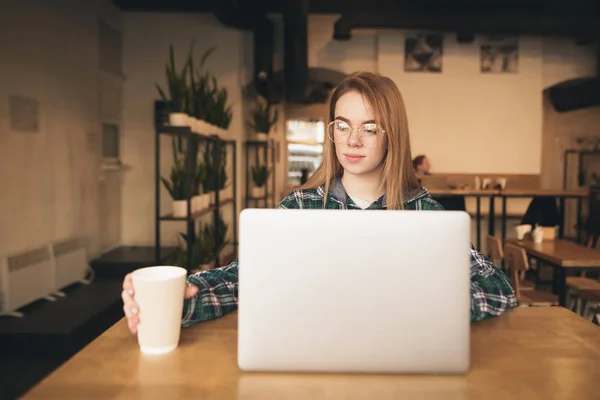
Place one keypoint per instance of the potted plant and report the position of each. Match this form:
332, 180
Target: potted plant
202, 250
176, 185
203, 86
199, 201
263, 119
178, 99
260, 175
216, 234
210, 183
222, 112
225, 190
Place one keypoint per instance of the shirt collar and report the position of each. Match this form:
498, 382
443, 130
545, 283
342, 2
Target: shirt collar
338, 191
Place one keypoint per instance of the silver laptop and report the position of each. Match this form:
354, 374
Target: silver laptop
354, 291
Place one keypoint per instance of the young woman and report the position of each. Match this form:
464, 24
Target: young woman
366, 165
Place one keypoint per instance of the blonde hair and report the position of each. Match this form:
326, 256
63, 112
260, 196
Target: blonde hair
383, 95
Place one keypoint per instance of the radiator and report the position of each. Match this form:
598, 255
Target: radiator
71, 262
25, 278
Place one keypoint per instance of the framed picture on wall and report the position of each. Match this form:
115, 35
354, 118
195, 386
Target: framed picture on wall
499, 54
423, 52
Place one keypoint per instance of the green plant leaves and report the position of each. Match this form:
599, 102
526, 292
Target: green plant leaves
262, 117
195, 91
260, 175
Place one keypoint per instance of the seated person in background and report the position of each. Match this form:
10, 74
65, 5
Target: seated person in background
366, 165
421, 165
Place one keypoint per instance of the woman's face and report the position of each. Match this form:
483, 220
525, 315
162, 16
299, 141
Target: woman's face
424, 166
358, 157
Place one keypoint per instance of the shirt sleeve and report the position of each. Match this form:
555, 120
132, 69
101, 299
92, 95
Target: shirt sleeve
218, 287
491, 292
217, 294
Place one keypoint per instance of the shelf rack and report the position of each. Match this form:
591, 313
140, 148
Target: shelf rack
268, 150
191, 139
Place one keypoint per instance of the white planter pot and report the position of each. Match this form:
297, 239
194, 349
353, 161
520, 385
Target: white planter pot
261, 136
258, 192
193, 123
209, 129
223, 195
180, 208
196, 203
202, 127
178, 119
212, 198
204, 201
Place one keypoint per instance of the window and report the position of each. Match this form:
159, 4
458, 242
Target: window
110, 143
111, 49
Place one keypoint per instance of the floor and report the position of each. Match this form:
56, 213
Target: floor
51, 332
18, 374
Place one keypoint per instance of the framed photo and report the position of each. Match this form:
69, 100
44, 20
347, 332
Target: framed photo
423, 52
499, 54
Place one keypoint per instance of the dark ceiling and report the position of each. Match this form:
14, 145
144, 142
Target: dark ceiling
579, 18
534, 7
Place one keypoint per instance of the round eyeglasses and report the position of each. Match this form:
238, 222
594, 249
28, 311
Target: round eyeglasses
340, 131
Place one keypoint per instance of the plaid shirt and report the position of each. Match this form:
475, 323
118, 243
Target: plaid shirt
491, 292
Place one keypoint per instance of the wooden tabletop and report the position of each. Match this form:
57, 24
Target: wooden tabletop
529, 353
462, 192
562, 253
508, 192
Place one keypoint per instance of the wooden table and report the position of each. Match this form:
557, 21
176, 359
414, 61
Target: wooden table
528, 353
565, 256
561, 194
504, 195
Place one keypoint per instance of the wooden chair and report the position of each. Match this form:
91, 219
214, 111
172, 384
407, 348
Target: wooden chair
592, 304
496, 254
577, 284
516, 261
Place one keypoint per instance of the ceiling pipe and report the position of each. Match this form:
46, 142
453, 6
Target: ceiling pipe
496, 23
263, 41
295, 50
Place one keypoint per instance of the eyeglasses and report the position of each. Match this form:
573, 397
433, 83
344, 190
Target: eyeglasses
340, 131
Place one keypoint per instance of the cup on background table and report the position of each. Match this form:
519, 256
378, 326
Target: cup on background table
538, 234
486, 183
501, 183
522, 230
159, 292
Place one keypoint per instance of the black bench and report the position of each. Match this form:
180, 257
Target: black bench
66, 325
119, 262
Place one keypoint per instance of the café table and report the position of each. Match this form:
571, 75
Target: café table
565, 256
561, 194
526, 353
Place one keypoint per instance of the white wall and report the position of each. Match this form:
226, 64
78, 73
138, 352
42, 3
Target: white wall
50, 179
146, 48
465, 121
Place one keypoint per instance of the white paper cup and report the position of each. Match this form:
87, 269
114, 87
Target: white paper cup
159, 294
522, 230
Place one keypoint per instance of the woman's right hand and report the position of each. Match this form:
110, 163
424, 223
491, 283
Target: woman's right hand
131, 308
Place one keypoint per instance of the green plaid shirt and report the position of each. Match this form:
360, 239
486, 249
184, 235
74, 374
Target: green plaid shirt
491, 292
